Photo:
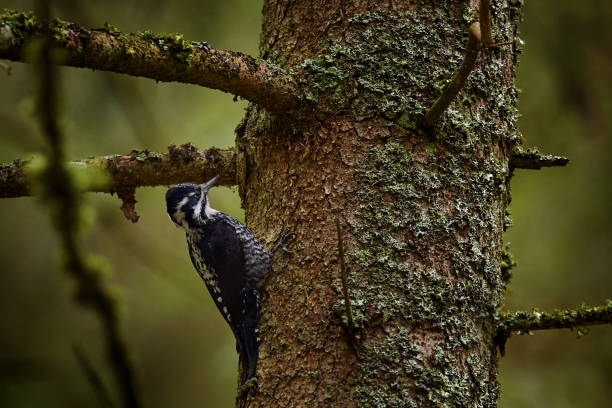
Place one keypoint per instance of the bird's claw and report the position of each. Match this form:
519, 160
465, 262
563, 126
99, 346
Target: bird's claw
282, 239
247, 386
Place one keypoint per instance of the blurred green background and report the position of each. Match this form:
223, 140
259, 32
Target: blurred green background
183, 351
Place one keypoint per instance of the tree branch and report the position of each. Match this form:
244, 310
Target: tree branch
344, 277
524, 322
168, 58
533, 159
63, 202
485, 22
92, 377
561, 319
138, 169
454, 86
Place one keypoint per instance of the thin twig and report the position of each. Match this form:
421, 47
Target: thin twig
138, 169
344, 276
92, 376
454, 86
501, 44
485, 23
163, 57
63, 200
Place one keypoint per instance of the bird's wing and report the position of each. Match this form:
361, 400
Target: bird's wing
236, 298
224, 258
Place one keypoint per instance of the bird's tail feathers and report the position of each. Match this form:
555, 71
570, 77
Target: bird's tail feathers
249, 334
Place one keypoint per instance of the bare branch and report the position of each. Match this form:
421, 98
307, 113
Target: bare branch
138, 169
454, 86
92, 377
533, 159
168, 58
344, 276
485, 23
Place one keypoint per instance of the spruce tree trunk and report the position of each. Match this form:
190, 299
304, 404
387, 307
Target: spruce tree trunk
422, 212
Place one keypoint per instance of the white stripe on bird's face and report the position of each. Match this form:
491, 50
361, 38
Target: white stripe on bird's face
208, 211
198, 207
179, 214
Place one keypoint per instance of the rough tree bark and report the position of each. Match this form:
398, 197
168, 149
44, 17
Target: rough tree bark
422, 213
337, 134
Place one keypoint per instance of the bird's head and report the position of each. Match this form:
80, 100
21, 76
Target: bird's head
187, 204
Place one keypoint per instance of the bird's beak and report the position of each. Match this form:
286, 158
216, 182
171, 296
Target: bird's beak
208, 185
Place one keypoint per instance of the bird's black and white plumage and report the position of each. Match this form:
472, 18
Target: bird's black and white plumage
230, 260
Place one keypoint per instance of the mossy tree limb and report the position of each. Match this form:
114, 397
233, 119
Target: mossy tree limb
137, 169
534, 160
168, 58
524, 322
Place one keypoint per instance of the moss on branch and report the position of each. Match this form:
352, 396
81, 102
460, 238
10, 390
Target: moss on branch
533, 159
163, 57
138, 169
524, 322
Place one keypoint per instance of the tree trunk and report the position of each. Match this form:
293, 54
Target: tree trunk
422, 212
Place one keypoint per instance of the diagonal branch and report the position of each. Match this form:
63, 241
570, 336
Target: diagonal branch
485, 22
454, 86
138, 169
92, 377
168, 58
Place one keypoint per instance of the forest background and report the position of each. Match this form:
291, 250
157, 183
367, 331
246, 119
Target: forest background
183, 351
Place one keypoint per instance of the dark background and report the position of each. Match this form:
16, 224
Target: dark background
184, 352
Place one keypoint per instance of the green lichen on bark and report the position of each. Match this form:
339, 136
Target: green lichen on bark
424, 198
507, 263
395, 65
384, 55
405, 221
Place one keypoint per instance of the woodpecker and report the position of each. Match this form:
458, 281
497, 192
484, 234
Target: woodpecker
230, 260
